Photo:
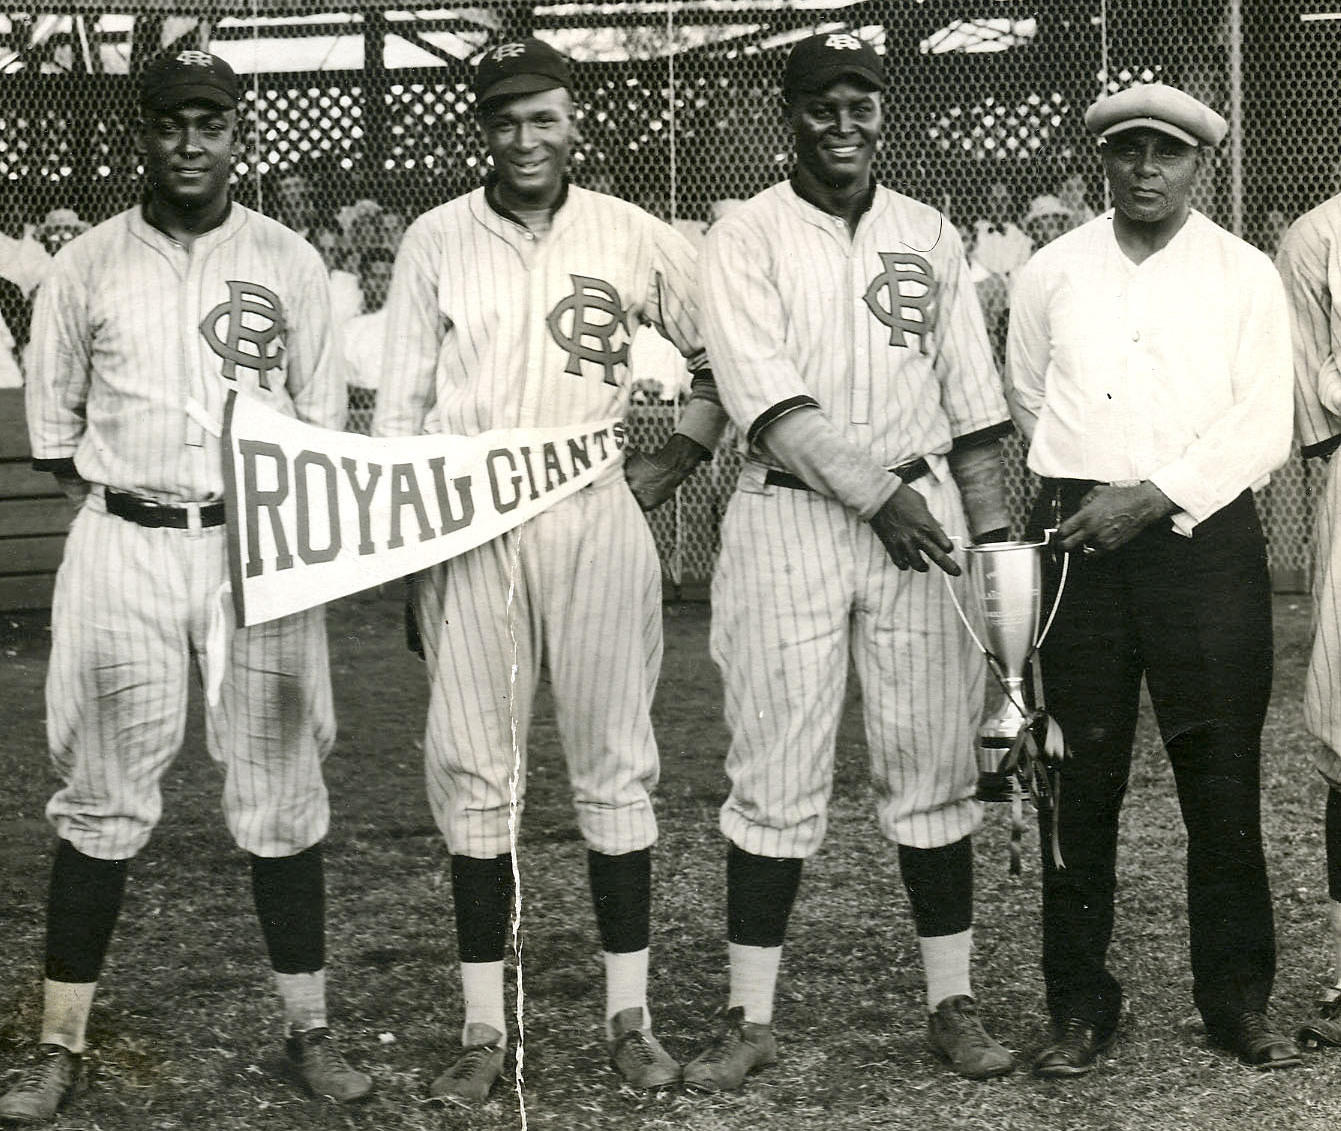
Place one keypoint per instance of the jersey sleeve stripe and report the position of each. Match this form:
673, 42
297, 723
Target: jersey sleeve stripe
777, 411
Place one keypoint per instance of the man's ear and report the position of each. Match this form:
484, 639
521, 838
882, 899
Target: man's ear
137, 129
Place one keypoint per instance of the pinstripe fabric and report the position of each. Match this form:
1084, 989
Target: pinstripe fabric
130, 327
483, 326
117, 350
1309, 261
469, 341
588, 603
881, 328
801, 585
129, 618
787, 319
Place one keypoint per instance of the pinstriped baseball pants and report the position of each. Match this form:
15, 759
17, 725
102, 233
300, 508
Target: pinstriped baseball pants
579, 588
129, 619
801, 585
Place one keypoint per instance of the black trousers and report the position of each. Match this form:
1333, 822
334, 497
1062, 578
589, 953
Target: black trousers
1193, 616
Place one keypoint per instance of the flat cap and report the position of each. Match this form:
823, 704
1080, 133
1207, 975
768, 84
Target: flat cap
819, 60
172, 80
525, 66
1157, 106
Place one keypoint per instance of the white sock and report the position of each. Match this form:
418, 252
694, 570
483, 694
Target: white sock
482, 988
625, 986
945, 960
754, 980
65, 1010
304, 998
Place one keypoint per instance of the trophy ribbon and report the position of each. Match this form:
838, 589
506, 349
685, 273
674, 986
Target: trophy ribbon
1005, 578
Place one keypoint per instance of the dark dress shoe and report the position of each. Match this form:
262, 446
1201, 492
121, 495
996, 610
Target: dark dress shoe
1257, 1042
1074, 1050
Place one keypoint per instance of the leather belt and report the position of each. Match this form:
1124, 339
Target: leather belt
908, 472
146, 512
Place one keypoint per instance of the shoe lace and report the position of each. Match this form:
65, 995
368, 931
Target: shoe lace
41, 1077
963, 1018
1330, 1008
323, 1056
1255, 1027
636, 1044
722, 1048
469, 1062
1072, 1030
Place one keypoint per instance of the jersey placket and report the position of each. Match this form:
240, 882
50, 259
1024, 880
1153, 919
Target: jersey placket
532, 253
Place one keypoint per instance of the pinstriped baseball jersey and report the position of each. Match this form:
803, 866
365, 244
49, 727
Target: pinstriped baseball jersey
880, 329
489, 326
1310, 263
129, 329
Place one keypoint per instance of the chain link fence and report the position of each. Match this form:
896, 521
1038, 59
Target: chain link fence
361, 118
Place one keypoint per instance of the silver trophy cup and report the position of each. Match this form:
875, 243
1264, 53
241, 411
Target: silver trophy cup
1006, 580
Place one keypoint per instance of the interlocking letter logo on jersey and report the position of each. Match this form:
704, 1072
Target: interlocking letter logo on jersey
255, 319
843, 42
195, 58
592, 313
903, 297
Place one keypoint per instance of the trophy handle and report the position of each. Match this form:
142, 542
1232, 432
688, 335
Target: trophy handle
1061, 588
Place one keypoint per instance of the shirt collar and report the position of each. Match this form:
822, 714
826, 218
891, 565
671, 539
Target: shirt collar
491, 199
865, 204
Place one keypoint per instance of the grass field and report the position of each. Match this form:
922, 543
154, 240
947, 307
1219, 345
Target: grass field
186, 1031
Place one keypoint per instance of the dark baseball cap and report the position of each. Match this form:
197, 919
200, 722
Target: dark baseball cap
171, 80
525, 66
822, 59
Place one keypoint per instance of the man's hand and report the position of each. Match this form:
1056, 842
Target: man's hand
653, 478
1111, 516
908, 530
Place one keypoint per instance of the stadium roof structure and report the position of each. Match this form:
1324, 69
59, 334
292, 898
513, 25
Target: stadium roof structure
273, 36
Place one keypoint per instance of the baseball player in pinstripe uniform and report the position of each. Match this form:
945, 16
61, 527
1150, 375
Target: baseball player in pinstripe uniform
851, 352
1309, 260
513, 306
143, 326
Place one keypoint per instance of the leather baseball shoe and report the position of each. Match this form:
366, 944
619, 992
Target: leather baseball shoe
1075, 1049
638, 1054
743, 1048
321, 1067
54, 1076
955, 1034
1257, 1042
1324, 1029
473, 1073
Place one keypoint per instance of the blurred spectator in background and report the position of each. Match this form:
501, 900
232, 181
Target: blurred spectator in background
364, 226
1072, 195
293, 205
393, 228
993, 293
22, 260
362, 337
346, 297
11, 376
59, 227
999, 244
16, 312
1047, 219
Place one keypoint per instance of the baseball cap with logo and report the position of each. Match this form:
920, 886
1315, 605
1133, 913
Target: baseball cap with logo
171, 80
819, 60
526, 66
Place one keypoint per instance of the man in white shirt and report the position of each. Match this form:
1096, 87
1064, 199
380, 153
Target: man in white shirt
22, 259
1149, 366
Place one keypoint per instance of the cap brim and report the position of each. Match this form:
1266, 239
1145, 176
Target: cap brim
176, 96
515, 85
827, 76
1152, 124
